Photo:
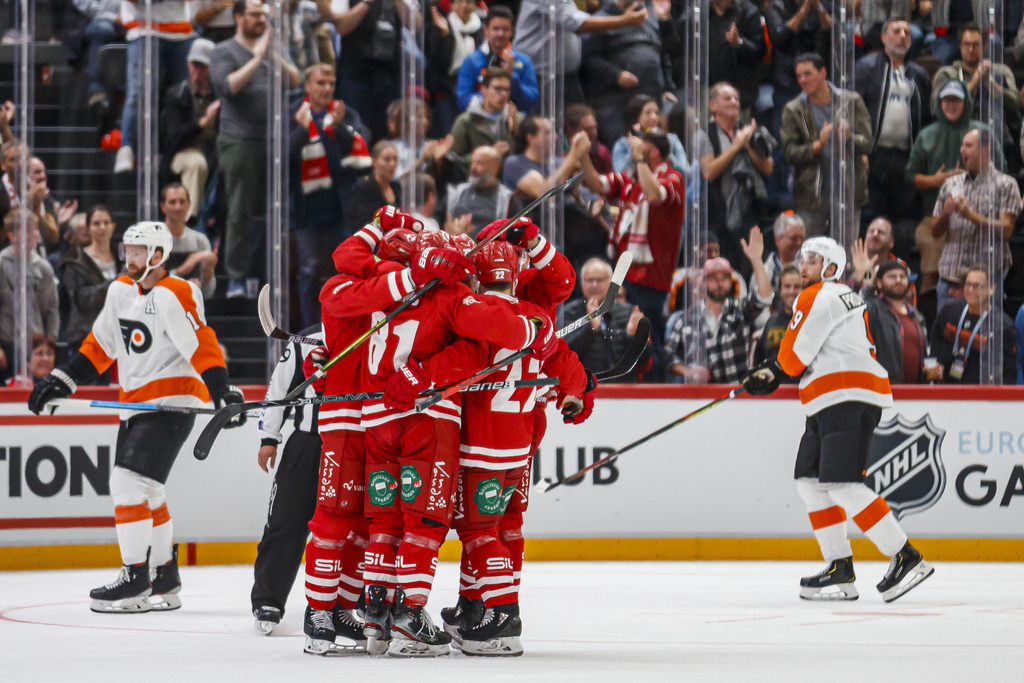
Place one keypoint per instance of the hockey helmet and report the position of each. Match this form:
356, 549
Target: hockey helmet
496, 261
153, 235
831, 253
399, 244
463, 243
433, 238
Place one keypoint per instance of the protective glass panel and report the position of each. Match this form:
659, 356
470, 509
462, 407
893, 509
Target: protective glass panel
551, 80
413, 114
844, 156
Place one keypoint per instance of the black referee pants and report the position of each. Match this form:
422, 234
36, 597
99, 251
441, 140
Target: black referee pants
292, 503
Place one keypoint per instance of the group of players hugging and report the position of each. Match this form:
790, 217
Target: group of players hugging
394, 477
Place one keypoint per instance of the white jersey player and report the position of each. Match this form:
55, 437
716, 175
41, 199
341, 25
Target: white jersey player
153, 326
844, 390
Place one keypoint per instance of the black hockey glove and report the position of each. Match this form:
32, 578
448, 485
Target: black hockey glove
216, 379
764, 379
58, 384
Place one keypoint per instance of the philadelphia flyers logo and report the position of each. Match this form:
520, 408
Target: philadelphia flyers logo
137, 337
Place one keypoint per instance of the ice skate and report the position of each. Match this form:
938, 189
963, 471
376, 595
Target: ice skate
318, 626
348, 626
414, 634
266, 619
467, 614
497, 635
166, 584
906, 569
835, 582
128, 594
377, 619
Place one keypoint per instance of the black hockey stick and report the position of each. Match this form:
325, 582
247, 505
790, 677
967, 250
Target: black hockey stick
415, 296
618, 275
270, 327
613, 456
221, 417
632, 355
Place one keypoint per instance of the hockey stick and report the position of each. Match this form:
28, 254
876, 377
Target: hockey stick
613, 456
53, 404
632, 355
271, 328
618, 275
221, 417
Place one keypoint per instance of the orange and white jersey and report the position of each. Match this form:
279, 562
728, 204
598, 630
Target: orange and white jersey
171, 19
828, 336
160, 340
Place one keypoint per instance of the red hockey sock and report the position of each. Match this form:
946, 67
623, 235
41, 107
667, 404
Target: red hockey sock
417, 559
510, 532
351, 582
490, 559
323, 567
379, 557
468, 586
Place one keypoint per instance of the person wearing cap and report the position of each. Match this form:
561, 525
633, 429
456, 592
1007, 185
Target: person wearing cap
986, 80
710, 342
934, 158
190, 125
898, 328
897, 94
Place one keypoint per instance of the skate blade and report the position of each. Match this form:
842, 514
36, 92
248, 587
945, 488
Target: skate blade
453, 631
919, 573
164, 602
404, 647
508, 646
377, 647
841, 591
265, 627
325, 648
136, 605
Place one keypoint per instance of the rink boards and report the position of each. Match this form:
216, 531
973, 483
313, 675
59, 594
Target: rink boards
951, 463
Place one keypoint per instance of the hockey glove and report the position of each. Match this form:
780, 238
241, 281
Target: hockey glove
313, 362
389, 218
546, 342
58, 384
231, 394
764, 379
447, 264
520, 233
405, 385
577, 410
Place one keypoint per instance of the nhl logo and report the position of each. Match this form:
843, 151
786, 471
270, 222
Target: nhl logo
905, 466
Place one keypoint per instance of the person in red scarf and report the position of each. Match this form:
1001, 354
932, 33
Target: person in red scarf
328, 149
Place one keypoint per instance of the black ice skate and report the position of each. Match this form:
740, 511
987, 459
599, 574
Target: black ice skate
348, 626
166, 584
318, 625
377, 619
497, 635
267, 618
835, 582
413, 633
467, 614
906, 570
128, 594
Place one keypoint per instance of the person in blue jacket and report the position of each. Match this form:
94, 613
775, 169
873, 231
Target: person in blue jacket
496, 50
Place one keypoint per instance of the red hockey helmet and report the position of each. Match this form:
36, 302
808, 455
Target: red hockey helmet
463, 243
496, 261
399, 245
433, 238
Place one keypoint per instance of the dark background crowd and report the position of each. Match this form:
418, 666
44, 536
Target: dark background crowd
927, 173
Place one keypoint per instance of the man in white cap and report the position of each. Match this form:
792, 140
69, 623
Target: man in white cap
190, 125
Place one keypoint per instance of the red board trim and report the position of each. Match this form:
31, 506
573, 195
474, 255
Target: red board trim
56, 522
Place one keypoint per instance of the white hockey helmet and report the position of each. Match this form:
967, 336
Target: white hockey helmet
830, 252
153, 235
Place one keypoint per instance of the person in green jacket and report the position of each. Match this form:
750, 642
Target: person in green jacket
935, 157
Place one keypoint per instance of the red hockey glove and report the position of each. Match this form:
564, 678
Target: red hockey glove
405, 385
546, 342
576, 410
447, 264
519, 233
313, 362
389, 218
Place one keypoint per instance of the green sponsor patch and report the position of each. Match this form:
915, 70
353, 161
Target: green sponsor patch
412, 483
381, 487
489, 498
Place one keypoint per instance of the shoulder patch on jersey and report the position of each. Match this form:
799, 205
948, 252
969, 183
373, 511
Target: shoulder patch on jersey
851, 300
469, 300
341, 286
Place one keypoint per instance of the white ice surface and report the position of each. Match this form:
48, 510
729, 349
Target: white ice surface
612, 621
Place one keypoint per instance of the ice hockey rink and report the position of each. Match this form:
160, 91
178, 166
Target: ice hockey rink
597, 621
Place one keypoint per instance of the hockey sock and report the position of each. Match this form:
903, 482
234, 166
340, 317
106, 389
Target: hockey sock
417, 558
871, 514
468, 586
827, 519
379, 558
161, 541
323, 568
133, 518
493, 567
510, 532
351, 580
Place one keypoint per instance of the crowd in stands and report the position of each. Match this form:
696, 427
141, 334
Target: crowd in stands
926, 179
